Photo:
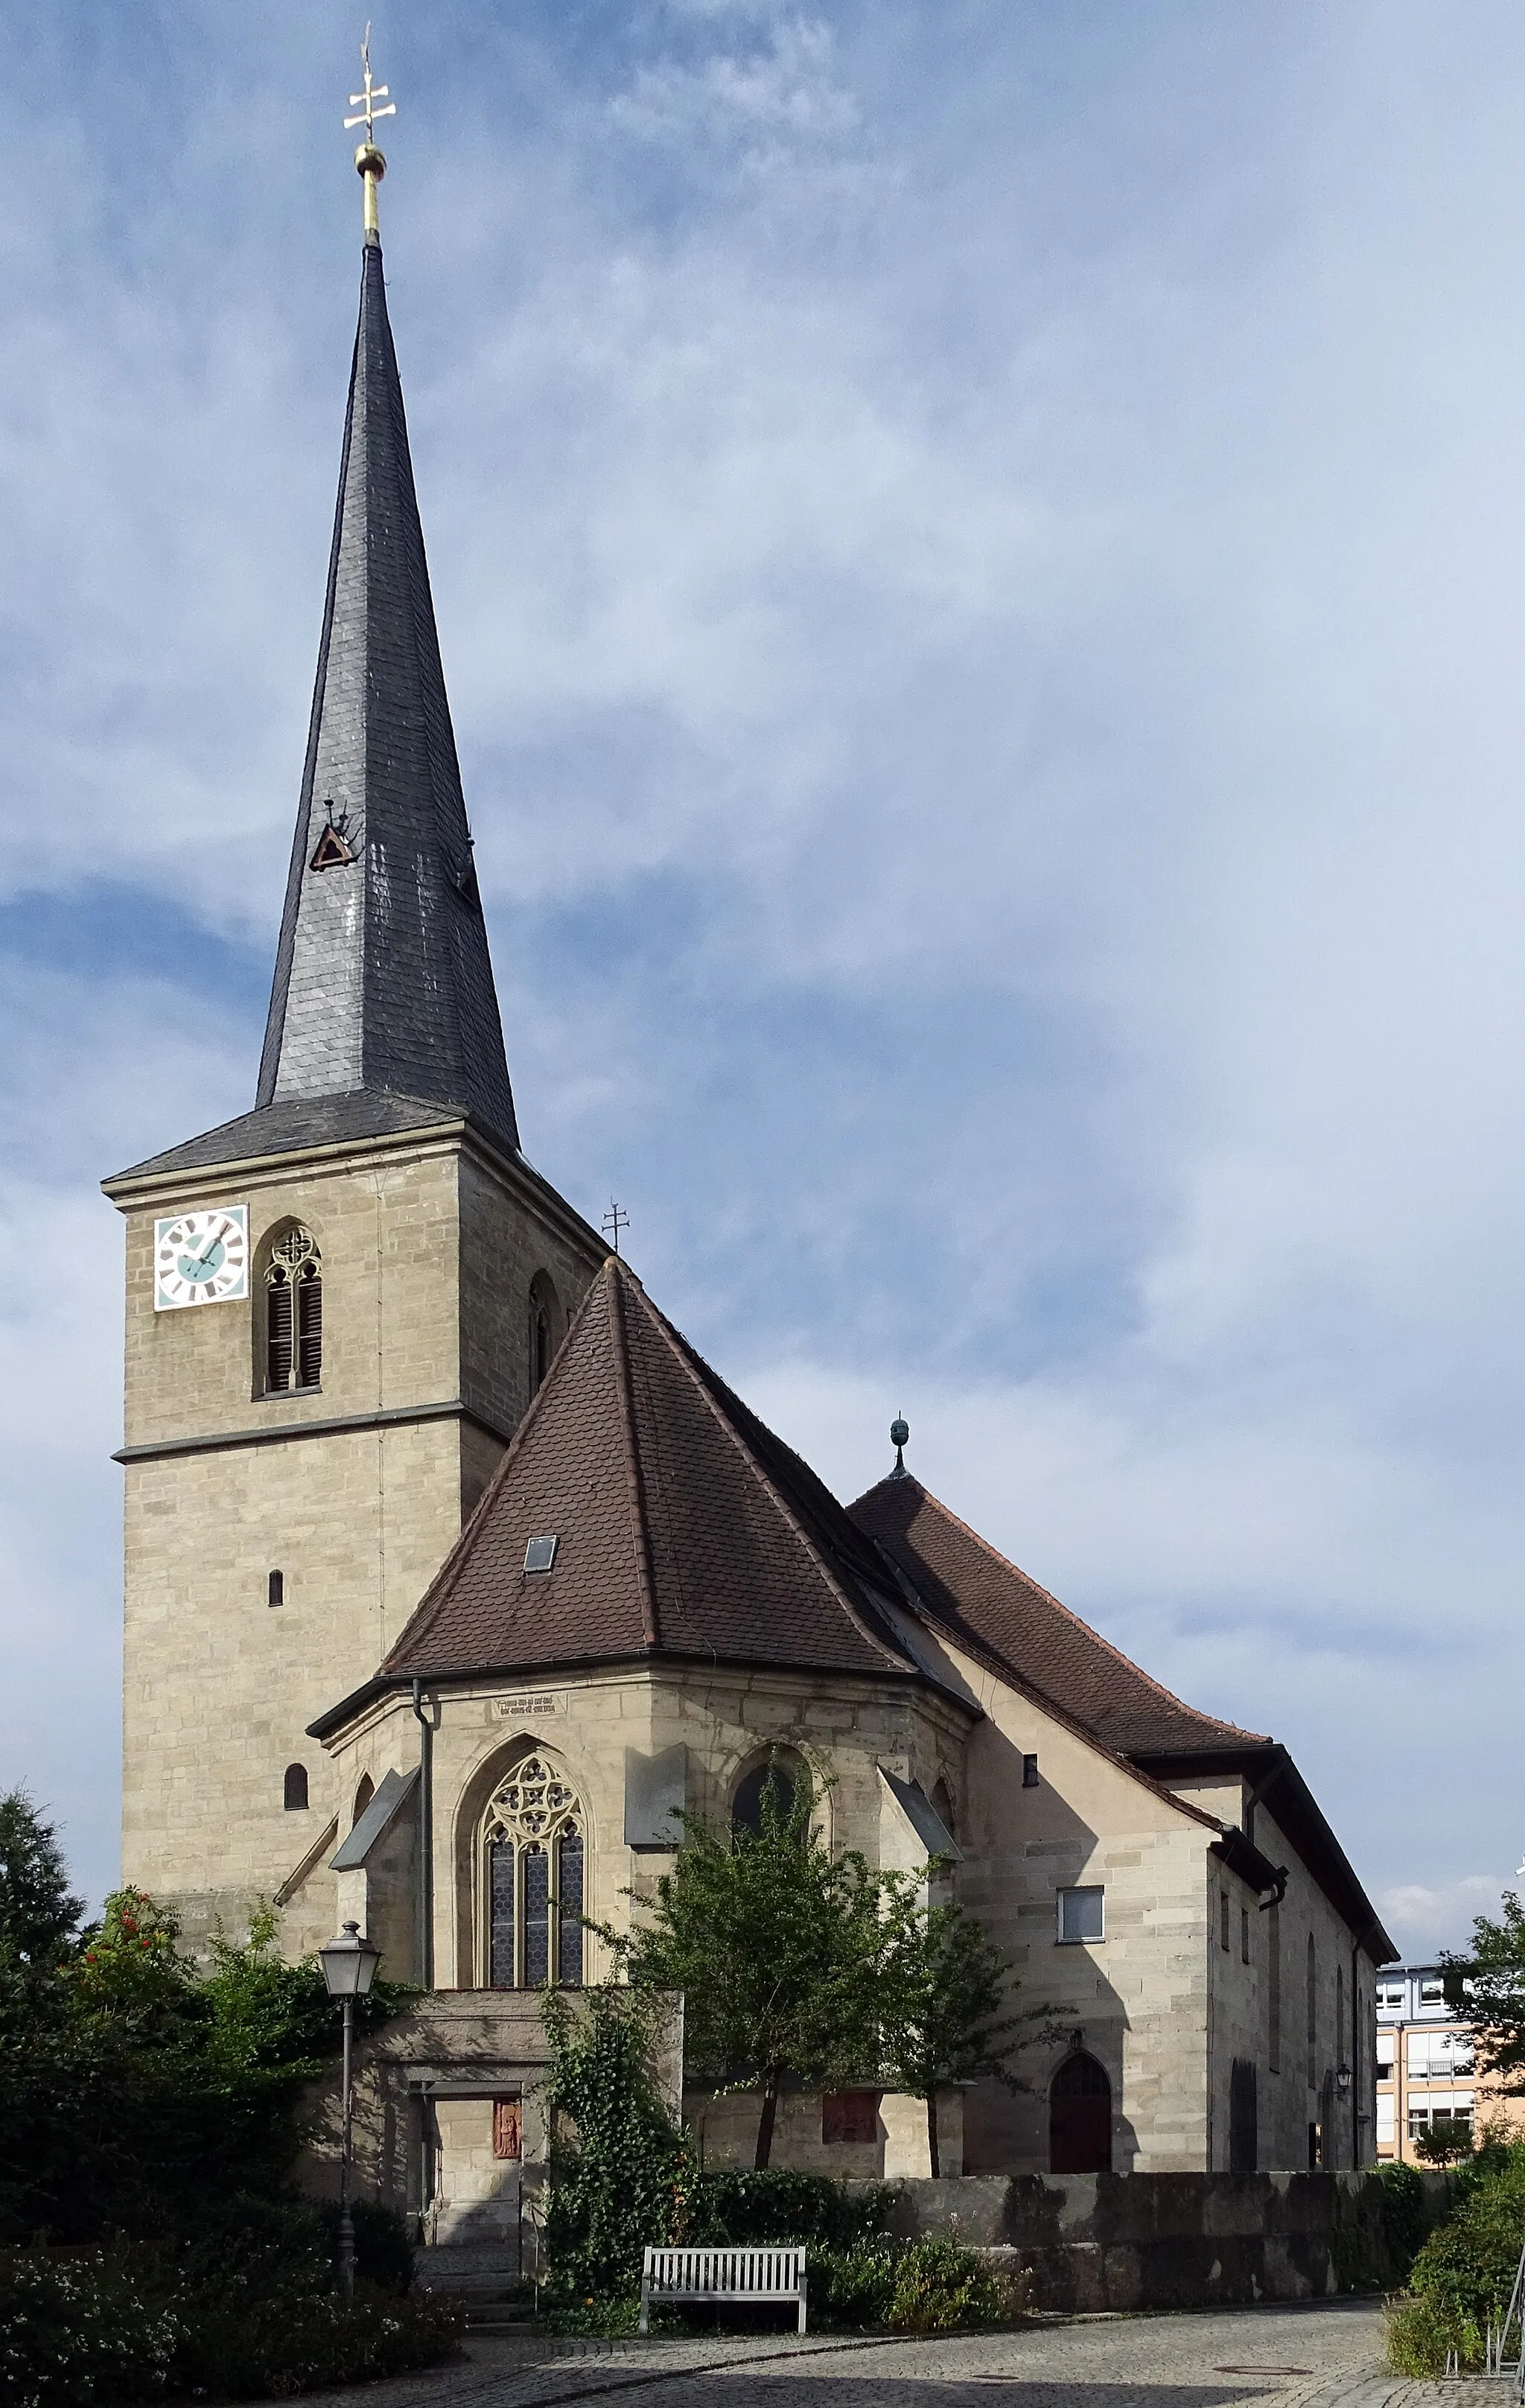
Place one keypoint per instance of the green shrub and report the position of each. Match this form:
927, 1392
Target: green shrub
854, 2289
78, 2327
618, 2164
1423, 2332
940, 2287
1405, 2217
274, 2348
248, 2313
1464, 2270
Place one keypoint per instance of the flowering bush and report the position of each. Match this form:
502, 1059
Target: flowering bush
80, 2326
90, 2328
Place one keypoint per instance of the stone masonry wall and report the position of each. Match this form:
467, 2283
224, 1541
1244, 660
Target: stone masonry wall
219, 1686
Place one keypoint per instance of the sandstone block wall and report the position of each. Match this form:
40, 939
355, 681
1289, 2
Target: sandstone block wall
419, 1241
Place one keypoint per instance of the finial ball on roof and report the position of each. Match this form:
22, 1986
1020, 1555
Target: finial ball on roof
900, 1431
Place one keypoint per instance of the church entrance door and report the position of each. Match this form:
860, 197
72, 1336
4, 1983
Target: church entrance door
1080, 2118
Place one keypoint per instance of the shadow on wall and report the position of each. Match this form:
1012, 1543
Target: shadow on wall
1070, 2115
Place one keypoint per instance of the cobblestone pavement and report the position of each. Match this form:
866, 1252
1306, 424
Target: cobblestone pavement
1319, 2355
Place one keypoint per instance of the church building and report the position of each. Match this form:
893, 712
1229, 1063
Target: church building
454, 1573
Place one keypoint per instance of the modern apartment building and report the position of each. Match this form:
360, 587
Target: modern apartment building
1424, 2059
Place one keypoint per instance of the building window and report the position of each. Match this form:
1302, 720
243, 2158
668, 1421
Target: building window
275, 1589
364, 1792
1433, 1991
1244, 2118
1081, 1917
1390, 1994
782, 1772
533, 1870
1272, 1980
296, 1789
293, 1314
1439, 2107
850, 2116
1243, 1935
1030, 1772
1313, 2022
1223, 1920
545, 1327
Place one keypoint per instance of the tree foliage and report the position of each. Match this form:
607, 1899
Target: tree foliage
940, 1987
137, 2088
1488, 1984
618, 2164
772, 1942
794, 1961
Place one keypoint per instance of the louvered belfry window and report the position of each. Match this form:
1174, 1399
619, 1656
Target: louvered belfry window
293, 1314
531, 1881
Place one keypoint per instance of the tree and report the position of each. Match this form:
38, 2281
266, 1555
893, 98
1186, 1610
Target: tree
37, 1915
939, 1992
1445, 2141
774, 1942
1489, 1986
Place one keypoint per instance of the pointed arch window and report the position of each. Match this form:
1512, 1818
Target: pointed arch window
293, 1313
545, 1320
533, 1877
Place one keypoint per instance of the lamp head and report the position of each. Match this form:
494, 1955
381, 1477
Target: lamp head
350, 1964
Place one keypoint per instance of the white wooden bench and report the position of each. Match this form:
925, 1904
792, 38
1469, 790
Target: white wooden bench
721, 2277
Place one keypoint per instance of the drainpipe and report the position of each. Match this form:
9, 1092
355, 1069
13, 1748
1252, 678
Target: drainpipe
426, 1839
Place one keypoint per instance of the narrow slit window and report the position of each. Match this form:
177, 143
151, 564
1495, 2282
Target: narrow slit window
275, 1589
293, 1314
1030, 1772
296, 1789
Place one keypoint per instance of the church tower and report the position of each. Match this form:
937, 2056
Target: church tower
339, 1304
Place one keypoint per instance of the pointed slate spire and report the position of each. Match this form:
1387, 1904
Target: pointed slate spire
383, 984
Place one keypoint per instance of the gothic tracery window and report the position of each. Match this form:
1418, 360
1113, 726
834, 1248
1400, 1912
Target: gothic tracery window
293, 1313
533, 1859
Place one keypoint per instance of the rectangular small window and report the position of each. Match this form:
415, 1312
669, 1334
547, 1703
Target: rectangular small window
1223, 1919
540, 1554
1243, 1935
850, 2115
275, 1589
1080, 1914
1030, 1772
1432, 1993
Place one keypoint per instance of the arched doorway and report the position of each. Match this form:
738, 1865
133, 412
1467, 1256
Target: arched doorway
1080, 2118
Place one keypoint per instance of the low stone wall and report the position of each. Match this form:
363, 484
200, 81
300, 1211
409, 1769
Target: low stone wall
1163, 2240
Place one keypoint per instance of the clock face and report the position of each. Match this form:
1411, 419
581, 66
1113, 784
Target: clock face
201, 1257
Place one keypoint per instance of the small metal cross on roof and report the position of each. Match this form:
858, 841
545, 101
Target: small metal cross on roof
615, 1219
365, 100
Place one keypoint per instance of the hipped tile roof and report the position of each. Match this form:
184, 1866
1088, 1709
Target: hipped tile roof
684, 1527
1005, 1618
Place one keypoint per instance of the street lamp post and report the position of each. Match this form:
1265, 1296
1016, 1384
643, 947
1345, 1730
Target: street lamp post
348, 1966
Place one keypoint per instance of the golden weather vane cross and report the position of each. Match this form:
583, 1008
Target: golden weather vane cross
368, 159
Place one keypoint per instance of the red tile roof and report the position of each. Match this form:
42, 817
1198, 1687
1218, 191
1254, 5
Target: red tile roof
1005, 1618
683, 1526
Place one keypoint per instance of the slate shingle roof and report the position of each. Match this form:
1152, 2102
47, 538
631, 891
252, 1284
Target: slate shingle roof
683, 1526
288, 1127
382, 976
1003, 1615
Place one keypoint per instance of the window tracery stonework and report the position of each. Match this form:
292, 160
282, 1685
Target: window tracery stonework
532, 1867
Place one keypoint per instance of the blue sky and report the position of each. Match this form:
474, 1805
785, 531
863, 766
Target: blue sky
978, 557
